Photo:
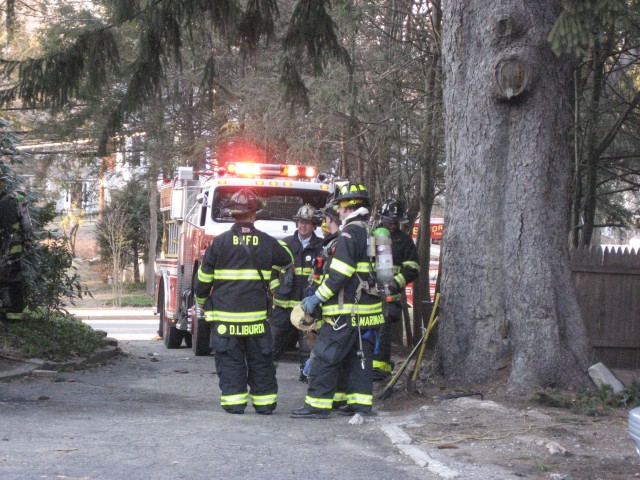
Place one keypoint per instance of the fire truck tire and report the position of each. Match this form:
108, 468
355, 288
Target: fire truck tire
200, 338
172, 336
188, 340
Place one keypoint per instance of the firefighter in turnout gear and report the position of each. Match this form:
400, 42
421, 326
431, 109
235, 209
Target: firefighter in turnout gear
15, 230
289, 289
406, 269
351, 312
232, 286
332, 222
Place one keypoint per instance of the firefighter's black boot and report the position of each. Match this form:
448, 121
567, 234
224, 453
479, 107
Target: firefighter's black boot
234, 410
309, 412
266, 410
349, 410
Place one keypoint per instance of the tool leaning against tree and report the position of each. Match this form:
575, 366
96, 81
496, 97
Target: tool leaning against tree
419, 348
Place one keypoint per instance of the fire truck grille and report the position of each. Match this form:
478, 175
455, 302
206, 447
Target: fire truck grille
283, 210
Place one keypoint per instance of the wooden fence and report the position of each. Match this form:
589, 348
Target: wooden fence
608, 288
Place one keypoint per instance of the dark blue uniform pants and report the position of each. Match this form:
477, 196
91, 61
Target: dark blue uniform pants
334, 353
242, 361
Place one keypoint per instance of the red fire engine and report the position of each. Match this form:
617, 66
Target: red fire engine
436, 228
193, 209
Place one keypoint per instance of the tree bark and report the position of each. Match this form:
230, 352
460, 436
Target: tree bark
508, 298
149, 268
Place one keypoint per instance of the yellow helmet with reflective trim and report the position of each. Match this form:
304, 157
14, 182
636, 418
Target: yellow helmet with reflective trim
352, 194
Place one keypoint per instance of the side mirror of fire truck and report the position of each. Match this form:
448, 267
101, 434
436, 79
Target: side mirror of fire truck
201, 198
177, 204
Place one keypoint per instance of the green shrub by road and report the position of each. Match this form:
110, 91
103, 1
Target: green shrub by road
57, 338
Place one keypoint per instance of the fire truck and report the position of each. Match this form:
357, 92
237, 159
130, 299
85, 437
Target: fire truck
436, 227
193, 210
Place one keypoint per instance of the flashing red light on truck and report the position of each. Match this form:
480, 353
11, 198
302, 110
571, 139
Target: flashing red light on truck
250, 169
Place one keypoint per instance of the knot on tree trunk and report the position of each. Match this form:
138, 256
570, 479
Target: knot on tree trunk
512, 78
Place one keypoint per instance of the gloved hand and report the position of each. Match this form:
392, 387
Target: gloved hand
394, 288
310, 303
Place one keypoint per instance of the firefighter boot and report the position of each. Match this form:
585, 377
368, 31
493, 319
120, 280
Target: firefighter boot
234, 410
309, 412
349, 410
380, 375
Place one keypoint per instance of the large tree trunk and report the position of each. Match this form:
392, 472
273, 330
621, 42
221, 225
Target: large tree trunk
149, 268
508, 298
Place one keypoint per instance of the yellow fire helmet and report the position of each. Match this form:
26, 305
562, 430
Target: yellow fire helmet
301, 320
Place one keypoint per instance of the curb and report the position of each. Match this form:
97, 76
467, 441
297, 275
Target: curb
420, 457
32, 365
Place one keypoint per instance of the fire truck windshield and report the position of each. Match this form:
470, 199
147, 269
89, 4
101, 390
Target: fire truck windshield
281, 203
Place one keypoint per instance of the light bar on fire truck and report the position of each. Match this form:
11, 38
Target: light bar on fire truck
242, 169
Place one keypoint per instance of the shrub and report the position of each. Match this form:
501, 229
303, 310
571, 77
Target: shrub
54, 337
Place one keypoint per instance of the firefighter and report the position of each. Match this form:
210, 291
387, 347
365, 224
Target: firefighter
232, 286
351, 311
305, 245
406, 269
332, 223
15, 230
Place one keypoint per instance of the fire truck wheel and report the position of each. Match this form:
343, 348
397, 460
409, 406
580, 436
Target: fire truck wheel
188, 341
172, 336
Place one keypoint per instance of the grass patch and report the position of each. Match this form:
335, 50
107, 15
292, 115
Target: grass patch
133, 287
571, 420
57, 338
543, 467
141, 300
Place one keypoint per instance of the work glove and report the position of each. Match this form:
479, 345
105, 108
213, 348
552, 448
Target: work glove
310, 303
394, 288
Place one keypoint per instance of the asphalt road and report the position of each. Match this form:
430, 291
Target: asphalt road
135, 329
153, 413
122, 323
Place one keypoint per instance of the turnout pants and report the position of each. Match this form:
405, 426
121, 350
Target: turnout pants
242, 361
285, 334
11, 300
382, 355
335, 353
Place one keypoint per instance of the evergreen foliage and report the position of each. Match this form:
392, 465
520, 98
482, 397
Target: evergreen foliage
50, 280
310, 39
54, 80
585, 23
603, 36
